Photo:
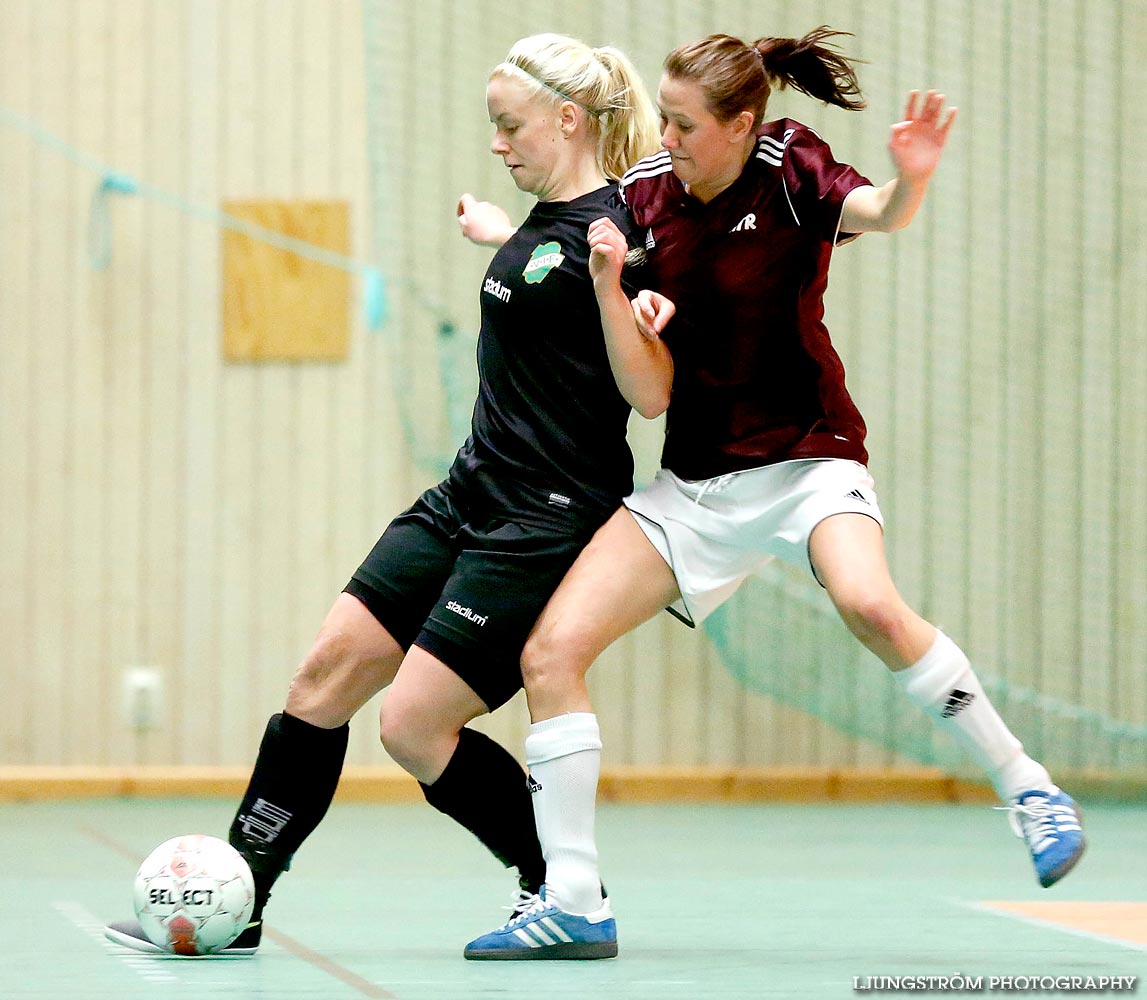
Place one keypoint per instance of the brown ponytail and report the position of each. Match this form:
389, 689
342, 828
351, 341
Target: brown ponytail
813, 66
738, 77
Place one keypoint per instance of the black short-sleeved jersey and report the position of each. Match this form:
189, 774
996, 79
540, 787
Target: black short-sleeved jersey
756, 380
548, 431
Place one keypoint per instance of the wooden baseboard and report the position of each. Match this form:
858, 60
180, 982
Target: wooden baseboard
34, 783
786, 784
618, 784
623, 784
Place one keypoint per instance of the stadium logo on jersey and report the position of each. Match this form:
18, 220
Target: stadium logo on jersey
545, 258
467, 613
748, 222
497, 289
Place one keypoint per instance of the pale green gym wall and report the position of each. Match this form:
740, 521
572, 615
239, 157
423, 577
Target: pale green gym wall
158, 507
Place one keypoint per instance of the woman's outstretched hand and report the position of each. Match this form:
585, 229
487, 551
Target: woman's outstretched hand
917, 142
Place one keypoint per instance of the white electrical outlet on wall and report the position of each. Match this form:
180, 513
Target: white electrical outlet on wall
142, 697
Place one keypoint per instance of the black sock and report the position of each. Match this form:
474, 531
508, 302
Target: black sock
295, 777
485, 790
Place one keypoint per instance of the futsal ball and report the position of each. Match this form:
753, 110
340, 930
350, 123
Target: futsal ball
193, 895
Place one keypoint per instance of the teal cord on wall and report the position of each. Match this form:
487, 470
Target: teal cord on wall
374, 304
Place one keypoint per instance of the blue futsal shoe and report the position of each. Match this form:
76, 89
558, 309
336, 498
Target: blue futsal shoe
1051, 824
540, 930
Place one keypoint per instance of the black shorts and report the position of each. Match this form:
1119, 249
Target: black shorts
467, 587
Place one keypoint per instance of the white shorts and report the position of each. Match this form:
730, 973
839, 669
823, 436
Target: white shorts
715, 533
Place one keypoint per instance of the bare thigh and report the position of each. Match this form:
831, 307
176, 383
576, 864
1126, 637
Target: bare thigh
352, 659
847, 551
619, 581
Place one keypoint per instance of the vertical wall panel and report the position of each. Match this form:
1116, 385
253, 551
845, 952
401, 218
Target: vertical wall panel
241, 428
18, 163
982, 126
945, 220
1129, 517
49, 410
1060, 354
312, 487
199, 720
163, 62
1024, 232
1098, 366
274, 500
124, 336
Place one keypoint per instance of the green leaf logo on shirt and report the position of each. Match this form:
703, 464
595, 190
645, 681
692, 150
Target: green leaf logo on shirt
545, 258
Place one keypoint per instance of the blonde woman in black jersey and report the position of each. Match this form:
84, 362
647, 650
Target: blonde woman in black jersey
442, 605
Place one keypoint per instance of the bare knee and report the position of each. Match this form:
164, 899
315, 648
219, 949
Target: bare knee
554, 664
397, 732
324, 690
886, 626
541, 663
417, 743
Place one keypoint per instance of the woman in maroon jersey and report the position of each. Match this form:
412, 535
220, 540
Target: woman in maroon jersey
764, 452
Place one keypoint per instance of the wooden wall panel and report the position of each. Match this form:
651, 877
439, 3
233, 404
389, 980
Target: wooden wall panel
1024, 230
244, 648
1062, 326
48, 409
276, 432
1098, 363
163, 484
1129, 514
161, 508
18, 163
981, 153
199, 720
314, 487
276, 305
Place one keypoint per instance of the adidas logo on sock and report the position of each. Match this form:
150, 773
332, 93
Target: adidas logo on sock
532, 784
957, 701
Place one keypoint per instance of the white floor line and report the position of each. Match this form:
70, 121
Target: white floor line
148, 968
1037, 922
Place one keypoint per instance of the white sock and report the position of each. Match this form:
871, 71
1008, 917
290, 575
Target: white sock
564, 758
943, 684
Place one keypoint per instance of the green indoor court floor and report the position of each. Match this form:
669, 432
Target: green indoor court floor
711, 901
